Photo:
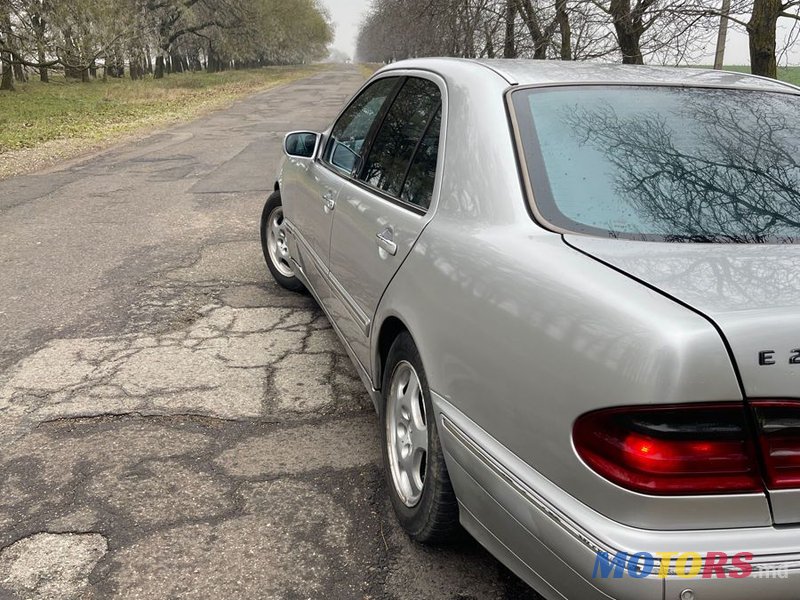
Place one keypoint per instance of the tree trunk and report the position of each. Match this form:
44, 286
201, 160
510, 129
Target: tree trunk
7, 79
629, 32
212, 61
39, 26
509, 45
71, 71
175, 60
72, 61
11, 58
117, 66
541, 37
135, 66
490, 52
44, 77
762, 36
562, 17
19, 70
629, 46
722, 35
158, 73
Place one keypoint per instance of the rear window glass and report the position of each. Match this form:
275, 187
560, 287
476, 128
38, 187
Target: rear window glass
664, 163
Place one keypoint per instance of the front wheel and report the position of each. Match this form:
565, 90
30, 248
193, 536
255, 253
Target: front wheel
419, 485
274, 245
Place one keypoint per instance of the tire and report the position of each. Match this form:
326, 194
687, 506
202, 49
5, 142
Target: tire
273, 244
429, 515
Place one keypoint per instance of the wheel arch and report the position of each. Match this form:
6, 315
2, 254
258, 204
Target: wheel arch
391, 327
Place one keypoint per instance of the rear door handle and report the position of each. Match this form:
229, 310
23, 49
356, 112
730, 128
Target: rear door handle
329, 203
386, 242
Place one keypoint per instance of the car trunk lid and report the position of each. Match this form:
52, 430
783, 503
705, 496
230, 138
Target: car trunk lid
750, 292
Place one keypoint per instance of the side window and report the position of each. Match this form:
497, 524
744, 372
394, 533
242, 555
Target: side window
351, 130
418, 188
401, 135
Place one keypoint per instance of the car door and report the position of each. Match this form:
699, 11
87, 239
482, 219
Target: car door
381, 212
310, 189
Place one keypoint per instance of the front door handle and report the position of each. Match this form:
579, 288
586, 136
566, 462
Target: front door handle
329, 203
386, 242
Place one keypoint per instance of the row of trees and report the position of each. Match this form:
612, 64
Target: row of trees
635, 31
156, 36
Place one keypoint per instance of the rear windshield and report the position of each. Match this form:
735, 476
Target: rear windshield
664, 163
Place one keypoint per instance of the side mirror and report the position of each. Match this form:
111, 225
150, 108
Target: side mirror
301, 144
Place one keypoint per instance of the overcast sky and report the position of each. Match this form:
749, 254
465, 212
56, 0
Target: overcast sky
347, 15
737, 52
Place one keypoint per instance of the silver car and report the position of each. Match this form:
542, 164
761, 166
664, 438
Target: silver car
573, 293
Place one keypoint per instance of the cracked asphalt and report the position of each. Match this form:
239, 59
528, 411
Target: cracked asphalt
172, 423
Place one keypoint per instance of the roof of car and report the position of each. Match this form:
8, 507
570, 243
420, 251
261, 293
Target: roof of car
543, 72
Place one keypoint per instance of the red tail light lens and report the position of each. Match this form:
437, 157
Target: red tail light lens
671, 450
779, 436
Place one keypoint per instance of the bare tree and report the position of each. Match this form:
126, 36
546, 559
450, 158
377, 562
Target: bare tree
665, 31
509, 40
80, 36
759, 18
722, 35
7, 78
762, 33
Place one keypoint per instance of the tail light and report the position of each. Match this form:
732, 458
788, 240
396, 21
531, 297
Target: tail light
672, 450
779, 437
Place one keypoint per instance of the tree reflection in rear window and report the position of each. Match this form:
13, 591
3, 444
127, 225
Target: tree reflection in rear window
661, 163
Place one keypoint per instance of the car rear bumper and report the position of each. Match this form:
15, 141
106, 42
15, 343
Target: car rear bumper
553, 545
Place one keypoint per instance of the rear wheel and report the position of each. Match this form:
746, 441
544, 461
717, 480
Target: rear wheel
274, 245
419, 485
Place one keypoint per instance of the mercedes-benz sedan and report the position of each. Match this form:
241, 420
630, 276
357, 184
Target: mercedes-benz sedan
573, 293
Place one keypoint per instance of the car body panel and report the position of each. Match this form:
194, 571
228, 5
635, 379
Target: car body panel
520, 520
360, 268
527, 72
750, 292
359, 265
593, 338
522, 330
308, 184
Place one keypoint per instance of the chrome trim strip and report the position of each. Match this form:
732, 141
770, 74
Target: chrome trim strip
524, 172
791, 89
362, 372
588, 540
359, 316
760, 562
366, 379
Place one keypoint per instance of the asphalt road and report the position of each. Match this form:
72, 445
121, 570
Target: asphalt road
172, 424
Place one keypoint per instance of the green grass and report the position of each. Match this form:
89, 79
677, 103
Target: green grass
98, 111
368, 69
788, 74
